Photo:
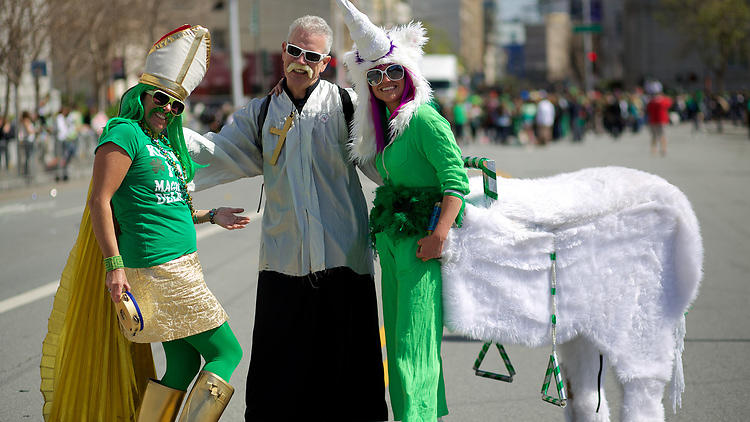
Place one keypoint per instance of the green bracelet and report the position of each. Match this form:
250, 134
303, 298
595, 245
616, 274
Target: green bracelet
211, 215
113, 263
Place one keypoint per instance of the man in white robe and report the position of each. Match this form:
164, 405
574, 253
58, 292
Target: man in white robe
316, 352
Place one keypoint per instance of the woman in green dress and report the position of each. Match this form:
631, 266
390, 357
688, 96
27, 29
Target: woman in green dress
417, 157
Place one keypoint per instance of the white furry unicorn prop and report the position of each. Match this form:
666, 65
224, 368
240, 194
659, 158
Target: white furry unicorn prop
627, 244
628, 264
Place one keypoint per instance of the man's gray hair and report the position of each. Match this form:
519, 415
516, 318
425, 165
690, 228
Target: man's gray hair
314, 25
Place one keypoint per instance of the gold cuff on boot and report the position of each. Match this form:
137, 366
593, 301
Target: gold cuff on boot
160, 403
207, 400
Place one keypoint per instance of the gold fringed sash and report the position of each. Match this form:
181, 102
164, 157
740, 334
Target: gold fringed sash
89, 371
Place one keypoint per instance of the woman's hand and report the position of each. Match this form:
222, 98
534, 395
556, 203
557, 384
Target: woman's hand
277, 89
117, 284
227, 217
430, 247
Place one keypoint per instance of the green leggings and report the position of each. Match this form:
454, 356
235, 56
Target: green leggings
413, 316
218, 346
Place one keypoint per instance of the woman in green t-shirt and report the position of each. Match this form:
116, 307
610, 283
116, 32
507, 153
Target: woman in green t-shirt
142, 169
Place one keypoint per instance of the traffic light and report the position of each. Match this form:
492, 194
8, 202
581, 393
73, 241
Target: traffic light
592, 56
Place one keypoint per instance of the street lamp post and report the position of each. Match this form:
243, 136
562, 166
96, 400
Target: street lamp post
338, 39
587, 65
236, 59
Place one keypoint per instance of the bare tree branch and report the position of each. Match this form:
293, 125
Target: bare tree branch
716, 29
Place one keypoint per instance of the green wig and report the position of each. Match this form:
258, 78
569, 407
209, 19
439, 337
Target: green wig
132, 111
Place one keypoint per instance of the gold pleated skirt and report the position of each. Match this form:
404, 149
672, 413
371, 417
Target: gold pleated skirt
174, 300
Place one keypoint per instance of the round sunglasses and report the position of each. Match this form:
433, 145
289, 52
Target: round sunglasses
395, 72
161, 99
310, 56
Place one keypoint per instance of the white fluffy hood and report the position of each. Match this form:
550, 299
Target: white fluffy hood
372, 47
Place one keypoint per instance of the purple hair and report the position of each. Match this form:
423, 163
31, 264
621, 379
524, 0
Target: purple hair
377, 109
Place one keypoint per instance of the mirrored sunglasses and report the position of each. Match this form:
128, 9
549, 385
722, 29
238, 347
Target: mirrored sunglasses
310, 56
395, 72
161, 99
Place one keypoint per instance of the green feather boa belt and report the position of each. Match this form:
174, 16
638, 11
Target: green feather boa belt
402, 212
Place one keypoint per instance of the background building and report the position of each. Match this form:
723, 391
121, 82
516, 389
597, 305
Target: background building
461, 23
91, 58
654, 51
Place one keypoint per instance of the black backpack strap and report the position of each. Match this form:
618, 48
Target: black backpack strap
262, 113
346, 103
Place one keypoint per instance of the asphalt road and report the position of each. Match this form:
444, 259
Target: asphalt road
37, 231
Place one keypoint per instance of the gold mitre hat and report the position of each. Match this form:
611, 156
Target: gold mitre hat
178, 61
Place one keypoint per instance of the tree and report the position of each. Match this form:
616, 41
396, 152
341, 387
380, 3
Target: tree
716, 29
90, 34
22, 39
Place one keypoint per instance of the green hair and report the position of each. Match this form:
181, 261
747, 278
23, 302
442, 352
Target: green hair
132, 112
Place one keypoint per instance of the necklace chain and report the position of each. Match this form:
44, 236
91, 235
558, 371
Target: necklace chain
160, 142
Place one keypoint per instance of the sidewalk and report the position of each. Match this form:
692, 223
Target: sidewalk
10, 180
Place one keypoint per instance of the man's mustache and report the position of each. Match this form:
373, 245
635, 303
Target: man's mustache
296, 66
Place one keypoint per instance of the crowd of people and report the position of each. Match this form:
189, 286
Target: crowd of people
49, 142
539, 117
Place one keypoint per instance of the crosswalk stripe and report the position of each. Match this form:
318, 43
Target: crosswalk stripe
29, 296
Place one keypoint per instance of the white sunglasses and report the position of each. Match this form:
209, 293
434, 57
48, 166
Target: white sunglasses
310, 56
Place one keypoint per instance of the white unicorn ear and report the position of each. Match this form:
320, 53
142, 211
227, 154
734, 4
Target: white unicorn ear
372, 42
415, 35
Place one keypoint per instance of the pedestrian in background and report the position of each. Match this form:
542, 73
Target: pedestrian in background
475, 116
545, 119
657, 110
459, 119
65, 134
7, 133
528, 117
98, 121
26, 136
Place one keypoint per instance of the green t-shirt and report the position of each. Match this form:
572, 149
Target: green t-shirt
154, 217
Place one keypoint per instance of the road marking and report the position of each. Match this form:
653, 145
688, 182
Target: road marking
28, 297
21, 208
385, 356
68, 212
49, 289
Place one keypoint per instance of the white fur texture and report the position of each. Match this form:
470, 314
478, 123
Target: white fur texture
629, 263
408, 41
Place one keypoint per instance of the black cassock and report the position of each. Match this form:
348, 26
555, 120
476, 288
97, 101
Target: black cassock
316, 352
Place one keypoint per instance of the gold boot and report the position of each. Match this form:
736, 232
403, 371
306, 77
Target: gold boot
160, 403
207, 399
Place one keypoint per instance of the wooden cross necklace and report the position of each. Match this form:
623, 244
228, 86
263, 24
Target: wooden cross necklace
282, 137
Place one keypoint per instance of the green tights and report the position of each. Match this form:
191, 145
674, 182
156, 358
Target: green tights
218, 346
